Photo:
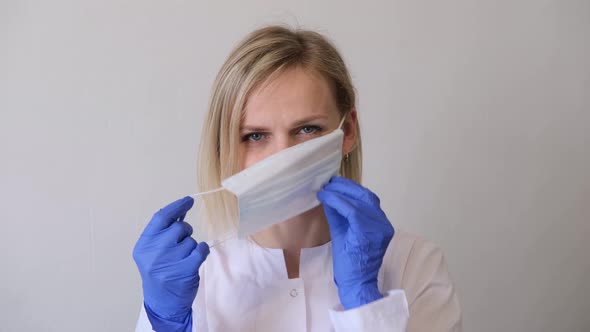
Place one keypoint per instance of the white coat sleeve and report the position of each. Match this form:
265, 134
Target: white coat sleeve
199, 312
387, 314
422, 299
431, 294
143, 323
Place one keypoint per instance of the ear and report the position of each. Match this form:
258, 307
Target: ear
350, 133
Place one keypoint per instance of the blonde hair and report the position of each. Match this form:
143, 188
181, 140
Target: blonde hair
264, 53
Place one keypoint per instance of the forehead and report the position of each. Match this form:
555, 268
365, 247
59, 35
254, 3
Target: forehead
292, 94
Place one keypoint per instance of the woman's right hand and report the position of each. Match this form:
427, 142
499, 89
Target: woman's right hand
168, 259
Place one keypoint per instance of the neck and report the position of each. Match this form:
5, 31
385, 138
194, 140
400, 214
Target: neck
309, 229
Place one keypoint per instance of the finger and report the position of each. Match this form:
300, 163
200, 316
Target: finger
185, 248
337, 223
198, 255
177, 232
169, 214
181, 218
334, 201
361, 216
352, 189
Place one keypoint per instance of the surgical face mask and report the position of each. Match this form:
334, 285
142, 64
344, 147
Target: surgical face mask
284, 184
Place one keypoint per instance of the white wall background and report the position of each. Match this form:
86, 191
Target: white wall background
476, 119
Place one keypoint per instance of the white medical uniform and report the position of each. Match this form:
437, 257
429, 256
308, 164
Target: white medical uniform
244, 287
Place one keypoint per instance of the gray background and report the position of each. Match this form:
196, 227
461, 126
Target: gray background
476, 119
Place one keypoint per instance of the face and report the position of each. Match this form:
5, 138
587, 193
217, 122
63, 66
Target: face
295, 107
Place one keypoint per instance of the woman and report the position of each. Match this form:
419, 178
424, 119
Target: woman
333, 266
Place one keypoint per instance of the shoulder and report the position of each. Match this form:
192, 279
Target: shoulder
413, 246
406, 245
418, 266
412, 260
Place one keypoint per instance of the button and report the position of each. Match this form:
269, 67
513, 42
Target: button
294, 292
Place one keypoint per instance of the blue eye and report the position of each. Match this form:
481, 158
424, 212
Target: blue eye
254, 137
310, 129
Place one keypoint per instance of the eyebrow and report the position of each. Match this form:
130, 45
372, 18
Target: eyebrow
295, 124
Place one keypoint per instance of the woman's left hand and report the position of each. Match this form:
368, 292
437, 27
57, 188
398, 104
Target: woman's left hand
360, 234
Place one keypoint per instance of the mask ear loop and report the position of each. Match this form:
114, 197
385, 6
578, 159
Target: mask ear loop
215, 243
340, 127
207, 192
342, 121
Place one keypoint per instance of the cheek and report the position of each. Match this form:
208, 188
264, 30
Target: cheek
249, 157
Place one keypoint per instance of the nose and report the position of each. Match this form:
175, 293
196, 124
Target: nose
283, 142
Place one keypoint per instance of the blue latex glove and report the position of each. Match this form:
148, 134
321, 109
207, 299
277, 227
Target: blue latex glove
168, 259
360, 235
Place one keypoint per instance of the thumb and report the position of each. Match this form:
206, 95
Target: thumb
337, 223
198, 255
